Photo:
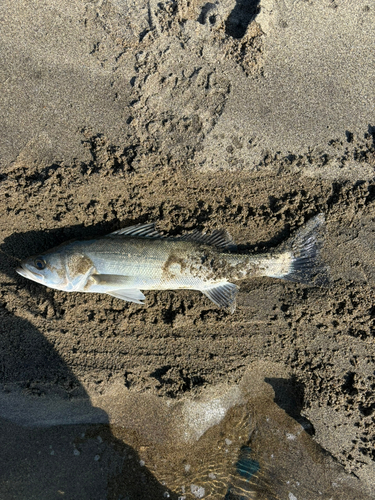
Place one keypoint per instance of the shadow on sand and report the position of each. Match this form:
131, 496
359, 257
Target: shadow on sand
55, 443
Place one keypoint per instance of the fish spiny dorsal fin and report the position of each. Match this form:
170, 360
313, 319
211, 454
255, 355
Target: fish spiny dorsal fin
219, 238
138, 231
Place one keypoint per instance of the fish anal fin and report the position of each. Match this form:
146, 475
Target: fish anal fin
138, 231
128, 294
223, 295
219, 238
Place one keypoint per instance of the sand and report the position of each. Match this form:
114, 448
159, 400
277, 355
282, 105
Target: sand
253, 116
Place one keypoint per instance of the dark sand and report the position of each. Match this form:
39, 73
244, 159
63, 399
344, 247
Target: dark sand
253, 116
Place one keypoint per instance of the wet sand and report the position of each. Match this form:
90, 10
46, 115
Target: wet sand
252, 116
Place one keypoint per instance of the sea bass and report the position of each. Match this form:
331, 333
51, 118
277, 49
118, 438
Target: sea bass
136, 258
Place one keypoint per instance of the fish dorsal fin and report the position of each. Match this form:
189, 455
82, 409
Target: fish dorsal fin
137, 231
219, 238
223, 295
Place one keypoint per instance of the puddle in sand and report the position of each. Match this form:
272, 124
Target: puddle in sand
234, 442
240, 442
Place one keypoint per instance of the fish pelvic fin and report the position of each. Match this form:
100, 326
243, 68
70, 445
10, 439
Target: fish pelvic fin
303, 252
223, 295
129, 295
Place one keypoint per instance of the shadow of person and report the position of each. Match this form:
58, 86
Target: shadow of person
49, 449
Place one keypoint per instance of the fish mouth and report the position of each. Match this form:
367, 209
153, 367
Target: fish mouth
26, 273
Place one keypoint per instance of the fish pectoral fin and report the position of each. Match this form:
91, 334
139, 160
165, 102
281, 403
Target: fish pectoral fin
128, 294
115, 280
121, 287
223, 295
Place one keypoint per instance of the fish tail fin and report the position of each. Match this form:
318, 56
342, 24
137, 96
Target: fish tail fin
303, 250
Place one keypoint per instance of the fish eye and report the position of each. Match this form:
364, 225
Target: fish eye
40, 263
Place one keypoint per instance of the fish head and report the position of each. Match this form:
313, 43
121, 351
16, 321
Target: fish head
48, 269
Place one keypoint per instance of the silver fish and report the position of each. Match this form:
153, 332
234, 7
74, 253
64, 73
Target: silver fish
136, 258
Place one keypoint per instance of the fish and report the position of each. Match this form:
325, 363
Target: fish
128, 261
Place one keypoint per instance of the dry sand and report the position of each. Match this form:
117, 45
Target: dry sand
248, 115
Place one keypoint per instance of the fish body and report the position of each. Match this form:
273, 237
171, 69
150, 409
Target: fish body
138, 258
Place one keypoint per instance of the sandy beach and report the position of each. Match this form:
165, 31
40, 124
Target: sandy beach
248, 115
